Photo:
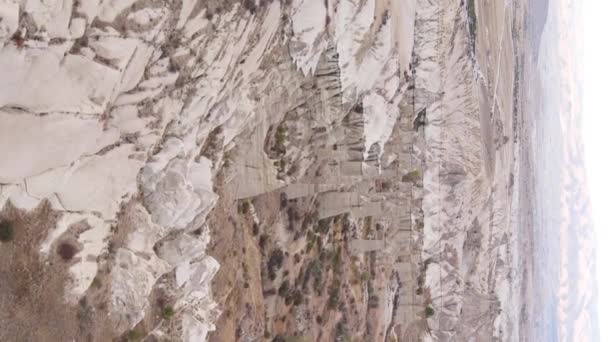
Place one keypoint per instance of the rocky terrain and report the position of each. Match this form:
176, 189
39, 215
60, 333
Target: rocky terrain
294, 170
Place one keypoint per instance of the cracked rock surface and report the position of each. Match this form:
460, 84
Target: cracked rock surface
294, 170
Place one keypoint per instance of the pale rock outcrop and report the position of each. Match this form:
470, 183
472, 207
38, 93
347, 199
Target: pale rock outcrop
196, 302
106, 106
84, 108
133, 278
175, 190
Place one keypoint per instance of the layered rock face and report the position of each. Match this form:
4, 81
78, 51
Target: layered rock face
348, 164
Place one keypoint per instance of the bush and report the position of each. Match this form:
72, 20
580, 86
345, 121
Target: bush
334, 296
314, 270
275, 262
96, 282
323, 226
66, 251
284, 289
429, 311
269, 292
294, 296
7, 232
168, 312
374, 302
263, 241
280, 137
336, 261
134, 335
244, 207
421, 280
296, 339
412, 177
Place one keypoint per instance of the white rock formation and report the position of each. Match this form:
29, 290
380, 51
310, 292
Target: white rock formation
106, 105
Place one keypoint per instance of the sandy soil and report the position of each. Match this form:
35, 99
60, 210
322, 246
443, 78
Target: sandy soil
34, 307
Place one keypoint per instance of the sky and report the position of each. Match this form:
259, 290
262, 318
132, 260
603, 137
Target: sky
595, 138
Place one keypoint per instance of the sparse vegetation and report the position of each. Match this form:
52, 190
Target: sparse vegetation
372, 264
323, 226
336, 261
96, 282
263, 241
7, 232
284, 288
420, 119
429, 311
310, 240
134, 335
334, 295
280, 137
412, 177
427, 262
294, 297
168, 312
374, 302
279, 338
275, 262
367, 227
421, 280
314, 270
244, 207
342, 333
66, 251
18, 39
250, 6
280, 164
269, 292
